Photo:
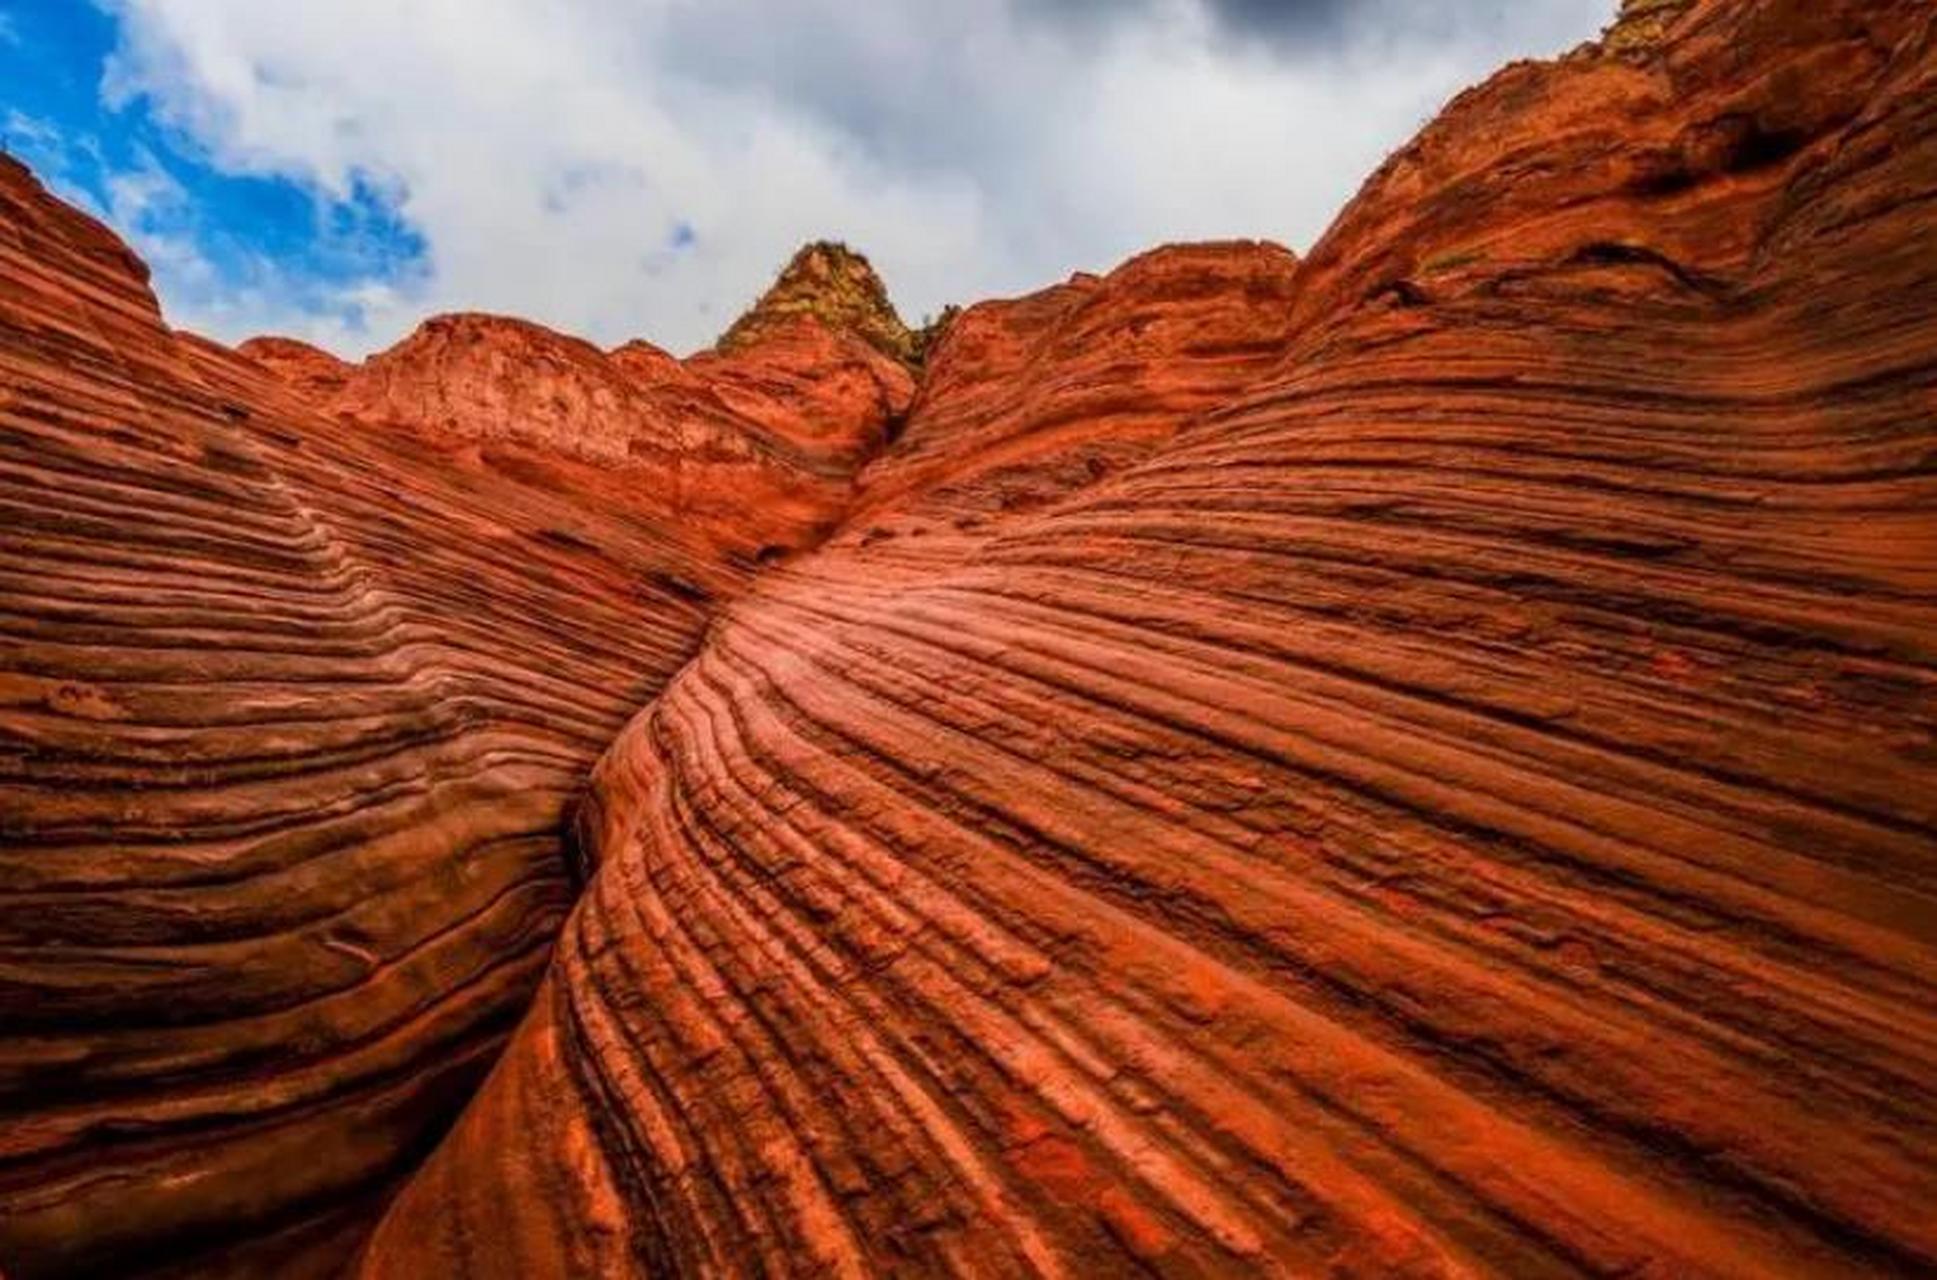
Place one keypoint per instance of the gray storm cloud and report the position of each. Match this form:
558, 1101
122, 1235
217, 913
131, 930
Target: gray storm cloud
624, 168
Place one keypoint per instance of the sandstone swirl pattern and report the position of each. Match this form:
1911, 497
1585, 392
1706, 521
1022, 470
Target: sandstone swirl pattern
1462, 805
291, 710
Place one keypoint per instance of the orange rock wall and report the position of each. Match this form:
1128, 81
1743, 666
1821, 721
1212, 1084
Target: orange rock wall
1460, 806
1025, 401
290, 713
1416, 761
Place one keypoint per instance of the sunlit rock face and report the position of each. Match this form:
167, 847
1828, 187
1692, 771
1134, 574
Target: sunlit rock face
831, 284
1457, 802
1025, 401
1416, 760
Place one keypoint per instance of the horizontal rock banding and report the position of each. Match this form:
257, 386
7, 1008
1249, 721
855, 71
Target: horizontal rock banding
1462, 805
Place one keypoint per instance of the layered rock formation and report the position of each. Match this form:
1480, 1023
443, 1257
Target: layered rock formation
1416, 761
1028, 400
754, 446
1462, 805
293, 709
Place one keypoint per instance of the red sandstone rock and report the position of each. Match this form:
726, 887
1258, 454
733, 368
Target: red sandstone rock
830, 283
315, 373
290, 712
1415, 762
1025, 401
756, 447
1461, 805
301, 683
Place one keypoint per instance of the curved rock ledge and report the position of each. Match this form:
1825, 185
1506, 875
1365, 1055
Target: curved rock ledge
290, 714
1463, 806
1420, 760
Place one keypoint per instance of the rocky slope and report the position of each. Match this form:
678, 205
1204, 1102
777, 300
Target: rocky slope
1416, 761
1025, 401
1463, 805
754, 446
291, 711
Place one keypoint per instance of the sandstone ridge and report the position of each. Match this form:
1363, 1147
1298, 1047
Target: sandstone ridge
1415, 759
291, 714
1447, 793
755, 448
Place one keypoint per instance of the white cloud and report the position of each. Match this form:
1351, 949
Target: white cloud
31, 136
550, 150
243, 293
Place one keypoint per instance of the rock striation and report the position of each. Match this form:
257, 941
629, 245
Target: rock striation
1026, 401
1419, 760
1461, 804
291, 712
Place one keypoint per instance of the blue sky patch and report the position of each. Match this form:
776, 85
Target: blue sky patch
228, 250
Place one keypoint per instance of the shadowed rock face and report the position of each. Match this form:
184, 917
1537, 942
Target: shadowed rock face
1416, 761
1460, 805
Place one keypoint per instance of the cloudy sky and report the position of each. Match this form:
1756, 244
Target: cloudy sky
338, 169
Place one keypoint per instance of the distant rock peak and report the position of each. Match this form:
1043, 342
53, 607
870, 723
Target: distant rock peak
831, 283
1642, 25
299, 364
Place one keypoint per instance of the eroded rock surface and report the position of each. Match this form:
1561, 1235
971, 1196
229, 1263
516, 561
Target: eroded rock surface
829, 283
1460, 805
290, 713
754, 447
1027, 400
1416, 761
